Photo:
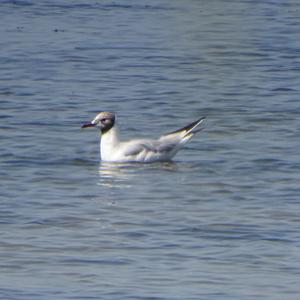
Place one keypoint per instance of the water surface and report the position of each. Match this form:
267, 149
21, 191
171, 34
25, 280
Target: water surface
221, 221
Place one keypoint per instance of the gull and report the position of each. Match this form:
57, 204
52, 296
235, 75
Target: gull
112, 149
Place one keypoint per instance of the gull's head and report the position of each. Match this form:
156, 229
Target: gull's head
104, 121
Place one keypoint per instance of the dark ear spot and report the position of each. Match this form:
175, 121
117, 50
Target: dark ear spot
107, 124
106, 121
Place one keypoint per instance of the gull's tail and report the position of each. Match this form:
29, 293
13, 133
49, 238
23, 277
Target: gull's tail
189, 130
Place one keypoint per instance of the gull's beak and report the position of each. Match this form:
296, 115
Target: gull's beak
89, 124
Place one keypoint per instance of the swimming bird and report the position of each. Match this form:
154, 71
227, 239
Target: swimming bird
139, 150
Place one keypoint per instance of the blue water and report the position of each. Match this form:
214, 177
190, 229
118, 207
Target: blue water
220, 222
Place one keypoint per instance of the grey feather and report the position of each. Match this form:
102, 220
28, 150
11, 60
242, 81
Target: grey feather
134, 149
151, 146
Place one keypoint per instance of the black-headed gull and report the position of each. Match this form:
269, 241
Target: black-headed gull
139, 150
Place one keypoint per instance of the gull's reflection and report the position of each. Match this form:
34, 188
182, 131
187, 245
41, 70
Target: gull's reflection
115, 175
122, 174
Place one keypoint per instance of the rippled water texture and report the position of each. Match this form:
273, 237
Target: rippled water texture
221, 221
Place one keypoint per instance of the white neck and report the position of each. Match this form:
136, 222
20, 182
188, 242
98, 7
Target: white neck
109, 141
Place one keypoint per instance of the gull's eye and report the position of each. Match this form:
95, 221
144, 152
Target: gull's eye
103, 120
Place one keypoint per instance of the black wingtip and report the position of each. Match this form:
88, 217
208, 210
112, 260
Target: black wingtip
188, 127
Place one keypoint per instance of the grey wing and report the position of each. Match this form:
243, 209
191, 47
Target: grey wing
134, 149
138, 147
167, 146
149, 145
